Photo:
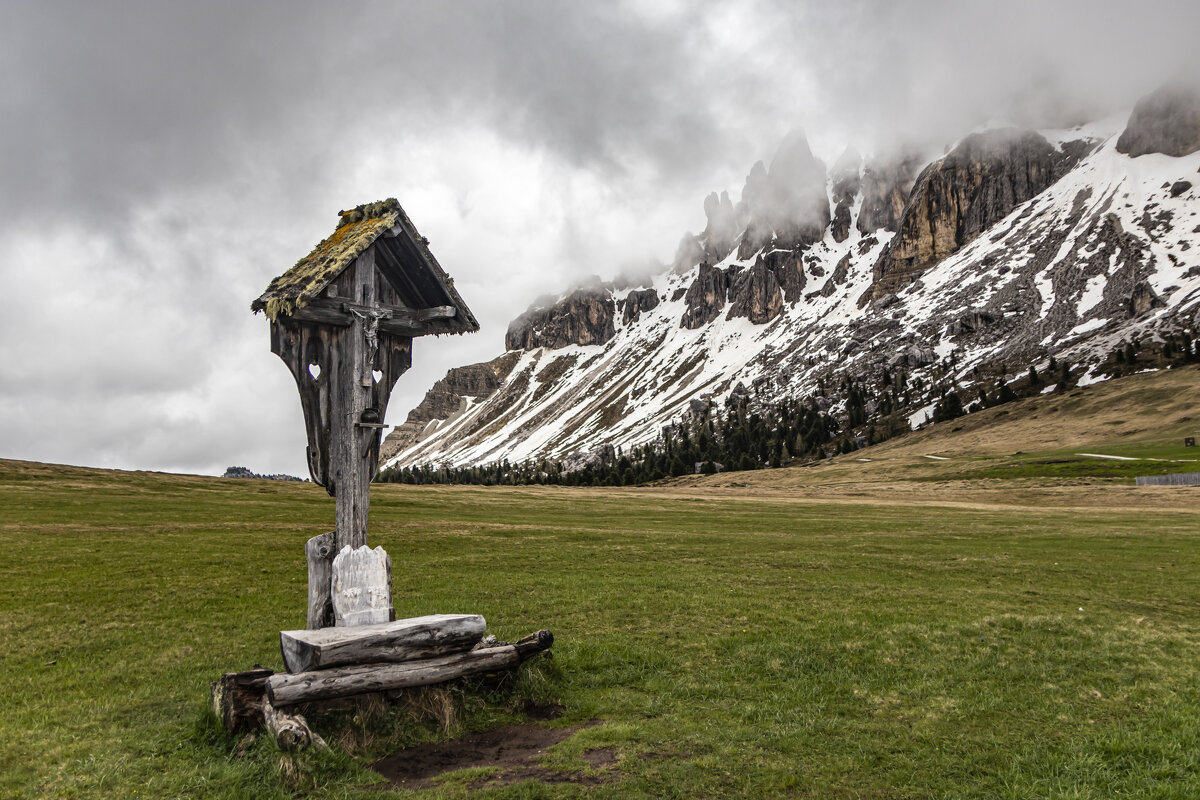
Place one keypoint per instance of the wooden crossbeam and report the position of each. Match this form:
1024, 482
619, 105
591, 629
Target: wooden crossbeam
402, 321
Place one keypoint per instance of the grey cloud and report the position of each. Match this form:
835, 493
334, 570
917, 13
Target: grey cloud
162, 160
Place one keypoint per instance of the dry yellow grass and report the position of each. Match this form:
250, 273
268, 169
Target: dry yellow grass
1154, 407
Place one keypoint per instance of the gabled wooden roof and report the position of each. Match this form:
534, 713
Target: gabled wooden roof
401, 255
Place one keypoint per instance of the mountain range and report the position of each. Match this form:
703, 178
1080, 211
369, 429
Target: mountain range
1058, 251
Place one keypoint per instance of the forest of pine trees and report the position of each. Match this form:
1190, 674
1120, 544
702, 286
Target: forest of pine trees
743, 435
747, 434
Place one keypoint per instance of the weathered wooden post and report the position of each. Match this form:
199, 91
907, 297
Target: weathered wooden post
343, 320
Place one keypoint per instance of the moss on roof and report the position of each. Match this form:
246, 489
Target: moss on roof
356, 231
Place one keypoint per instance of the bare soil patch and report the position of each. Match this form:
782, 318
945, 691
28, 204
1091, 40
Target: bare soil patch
513, 748
600, 757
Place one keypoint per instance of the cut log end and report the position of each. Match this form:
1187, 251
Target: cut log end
534, 643
237, 699
290, 730
240, 703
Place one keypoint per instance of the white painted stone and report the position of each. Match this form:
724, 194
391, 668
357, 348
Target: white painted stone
362, 592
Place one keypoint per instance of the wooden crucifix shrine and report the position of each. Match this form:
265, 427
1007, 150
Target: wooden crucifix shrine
343, 320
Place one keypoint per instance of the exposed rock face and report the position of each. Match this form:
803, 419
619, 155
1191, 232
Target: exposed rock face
962, 195
705, 297
1142, 300
583, 317
636, 302
1167, 121
1179, 187
720, 234
839, 227
756, 295
846, 184
447, 399
913, 356
789, 272
885, 189
785, 206
970, 322
838, 277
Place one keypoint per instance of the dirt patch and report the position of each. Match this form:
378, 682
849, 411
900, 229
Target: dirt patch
540, 774
600, 757
513, 748
541, 712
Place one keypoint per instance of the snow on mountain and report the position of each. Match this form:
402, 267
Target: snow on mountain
1012, 248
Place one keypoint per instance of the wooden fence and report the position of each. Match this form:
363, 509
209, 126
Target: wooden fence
1175, 479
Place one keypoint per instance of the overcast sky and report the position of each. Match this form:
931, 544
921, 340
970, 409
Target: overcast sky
161, 161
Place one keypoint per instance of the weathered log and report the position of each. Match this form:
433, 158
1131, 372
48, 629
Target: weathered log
319, 552
285, 690
402, 640
291, 731
238, 699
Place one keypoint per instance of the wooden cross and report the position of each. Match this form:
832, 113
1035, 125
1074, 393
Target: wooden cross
343, 320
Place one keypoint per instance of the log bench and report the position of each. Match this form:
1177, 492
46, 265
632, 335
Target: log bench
333, 663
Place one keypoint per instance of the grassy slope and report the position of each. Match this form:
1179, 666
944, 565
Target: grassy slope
1142, 417
827, 632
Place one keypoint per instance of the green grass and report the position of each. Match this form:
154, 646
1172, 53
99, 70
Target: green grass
730, 647
1146, 458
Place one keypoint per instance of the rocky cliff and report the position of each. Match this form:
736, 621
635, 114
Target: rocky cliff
846, 183
1013, 249
787, 205
756, 295
584, 317
448, 398
705, 297
958, 197
721, 232
886, 185
636, 302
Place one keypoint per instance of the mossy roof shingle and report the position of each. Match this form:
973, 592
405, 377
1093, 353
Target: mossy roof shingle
357, 230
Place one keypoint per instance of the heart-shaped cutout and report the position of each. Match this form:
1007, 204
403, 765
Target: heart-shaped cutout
314, 370
377, 375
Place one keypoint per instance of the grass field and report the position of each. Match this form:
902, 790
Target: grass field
892, 628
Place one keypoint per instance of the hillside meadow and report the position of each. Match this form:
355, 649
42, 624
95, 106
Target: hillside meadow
922, 639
